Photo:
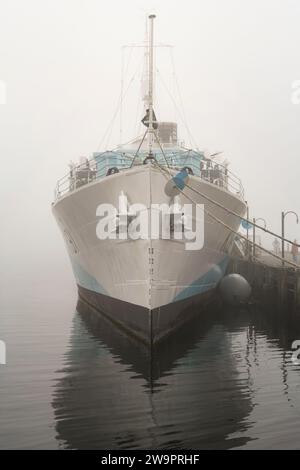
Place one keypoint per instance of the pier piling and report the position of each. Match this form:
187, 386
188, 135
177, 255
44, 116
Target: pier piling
275, 286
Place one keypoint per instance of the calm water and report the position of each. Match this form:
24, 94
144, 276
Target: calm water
72, 381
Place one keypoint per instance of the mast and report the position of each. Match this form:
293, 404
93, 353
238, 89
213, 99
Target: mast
145, 78
149, 119
150, 93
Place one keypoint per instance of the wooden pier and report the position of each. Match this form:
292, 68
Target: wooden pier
274, 286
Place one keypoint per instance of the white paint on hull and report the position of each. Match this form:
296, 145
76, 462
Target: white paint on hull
149, 273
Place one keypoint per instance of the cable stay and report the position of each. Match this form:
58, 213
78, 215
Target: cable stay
169, 174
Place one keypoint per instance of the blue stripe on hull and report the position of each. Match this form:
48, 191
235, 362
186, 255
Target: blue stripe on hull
84, 279
204, 284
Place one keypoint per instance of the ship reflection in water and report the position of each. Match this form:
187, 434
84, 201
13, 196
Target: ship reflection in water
74, 381
114, 394
197, 390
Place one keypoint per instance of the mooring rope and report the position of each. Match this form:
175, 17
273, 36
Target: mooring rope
239, 216
164, 170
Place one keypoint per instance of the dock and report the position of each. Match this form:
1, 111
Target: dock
274, 286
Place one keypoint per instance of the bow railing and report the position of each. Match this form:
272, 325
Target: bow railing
106, 163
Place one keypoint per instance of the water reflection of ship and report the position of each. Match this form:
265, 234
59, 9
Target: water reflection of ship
114, 394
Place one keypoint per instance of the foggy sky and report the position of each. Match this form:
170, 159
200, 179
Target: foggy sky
61, 62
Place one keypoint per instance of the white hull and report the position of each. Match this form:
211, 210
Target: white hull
145, 273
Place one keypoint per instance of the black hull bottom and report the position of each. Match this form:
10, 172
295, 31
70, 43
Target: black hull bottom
149, 326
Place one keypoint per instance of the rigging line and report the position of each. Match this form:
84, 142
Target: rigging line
137, 121
123, 77
193, 141
110, 123
158, 141
109, 127
141, 143
173, 89
227, 226
122, 88
238, 216
139, 127
137, 114
116, 110
123, 97
131, 141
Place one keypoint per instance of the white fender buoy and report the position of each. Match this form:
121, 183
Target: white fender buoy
235, 289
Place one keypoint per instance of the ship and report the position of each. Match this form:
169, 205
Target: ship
135, 261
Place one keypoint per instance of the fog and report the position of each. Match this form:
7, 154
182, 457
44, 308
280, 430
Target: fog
61, 63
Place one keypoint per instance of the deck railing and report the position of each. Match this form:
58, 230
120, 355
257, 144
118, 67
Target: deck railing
103, 164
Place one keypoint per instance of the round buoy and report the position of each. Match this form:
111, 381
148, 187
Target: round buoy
235, 289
